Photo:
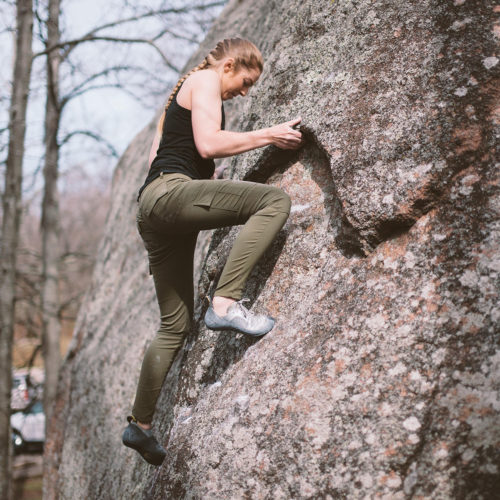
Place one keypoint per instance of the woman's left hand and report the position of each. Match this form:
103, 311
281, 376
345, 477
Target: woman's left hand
219, 172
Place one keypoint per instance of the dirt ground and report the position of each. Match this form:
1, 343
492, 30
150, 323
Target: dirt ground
27, 475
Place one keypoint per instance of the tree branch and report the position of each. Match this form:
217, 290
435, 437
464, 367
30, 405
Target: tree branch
119, 40
71, 44
96, 87
175, 35
79, 90
34, 175
92, 135
41, 23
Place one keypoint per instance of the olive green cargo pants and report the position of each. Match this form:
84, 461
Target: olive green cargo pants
172, 210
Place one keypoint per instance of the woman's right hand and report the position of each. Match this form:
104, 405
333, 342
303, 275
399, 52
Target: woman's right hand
284, 136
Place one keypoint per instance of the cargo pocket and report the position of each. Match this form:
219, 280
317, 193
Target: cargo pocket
227, 197
153, 195
205, 199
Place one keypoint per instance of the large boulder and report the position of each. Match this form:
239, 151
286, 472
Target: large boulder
382, 376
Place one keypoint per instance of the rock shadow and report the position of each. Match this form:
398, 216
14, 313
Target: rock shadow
316, 161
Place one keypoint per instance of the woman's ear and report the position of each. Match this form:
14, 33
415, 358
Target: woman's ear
229, 65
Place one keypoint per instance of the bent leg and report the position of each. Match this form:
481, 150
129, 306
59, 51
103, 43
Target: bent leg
218, 203
171, 261
254, 239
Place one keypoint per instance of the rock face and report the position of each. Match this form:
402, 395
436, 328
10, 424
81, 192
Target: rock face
382, 376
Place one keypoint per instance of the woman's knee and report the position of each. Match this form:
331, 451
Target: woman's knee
176, 322
280, 201
287, 203
167, 339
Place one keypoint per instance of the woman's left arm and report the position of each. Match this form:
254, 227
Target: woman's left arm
219, 172
154, 147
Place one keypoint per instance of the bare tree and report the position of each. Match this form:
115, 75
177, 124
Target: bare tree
11, 224
84, 202
51, 328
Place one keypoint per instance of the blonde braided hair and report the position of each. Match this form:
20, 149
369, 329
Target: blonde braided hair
245, 54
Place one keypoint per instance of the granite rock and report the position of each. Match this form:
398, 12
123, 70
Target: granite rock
381, 378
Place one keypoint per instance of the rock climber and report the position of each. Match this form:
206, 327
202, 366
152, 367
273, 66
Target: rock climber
183, 194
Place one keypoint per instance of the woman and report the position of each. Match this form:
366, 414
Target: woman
178, 199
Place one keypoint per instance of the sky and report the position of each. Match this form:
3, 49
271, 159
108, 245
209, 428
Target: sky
110, 113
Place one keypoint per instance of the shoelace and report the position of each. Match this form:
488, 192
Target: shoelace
243, 309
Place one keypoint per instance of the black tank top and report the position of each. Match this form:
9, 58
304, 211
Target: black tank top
177, 151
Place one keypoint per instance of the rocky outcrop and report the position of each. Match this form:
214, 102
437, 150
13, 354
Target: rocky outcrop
382, 376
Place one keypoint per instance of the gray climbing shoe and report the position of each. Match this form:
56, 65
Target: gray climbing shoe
144, 442
239, 318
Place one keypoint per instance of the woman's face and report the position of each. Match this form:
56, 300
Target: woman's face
238, 82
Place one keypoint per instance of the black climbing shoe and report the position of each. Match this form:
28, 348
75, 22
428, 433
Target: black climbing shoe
136, 438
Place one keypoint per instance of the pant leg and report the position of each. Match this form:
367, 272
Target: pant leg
200, 204
252, 241
171, 262
172, 214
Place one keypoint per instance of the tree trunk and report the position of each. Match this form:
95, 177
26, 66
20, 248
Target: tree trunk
10, 226
50, 218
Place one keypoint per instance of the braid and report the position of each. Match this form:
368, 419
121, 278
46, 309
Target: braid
202, 65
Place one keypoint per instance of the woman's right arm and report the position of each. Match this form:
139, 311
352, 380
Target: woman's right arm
212, 142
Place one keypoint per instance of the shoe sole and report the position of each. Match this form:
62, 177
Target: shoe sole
151, 458
239, 330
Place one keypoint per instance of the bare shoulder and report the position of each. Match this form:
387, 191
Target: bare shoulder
203, 83
203, 78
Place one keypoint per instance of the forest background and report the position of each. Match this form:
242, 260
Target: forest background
129, 82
